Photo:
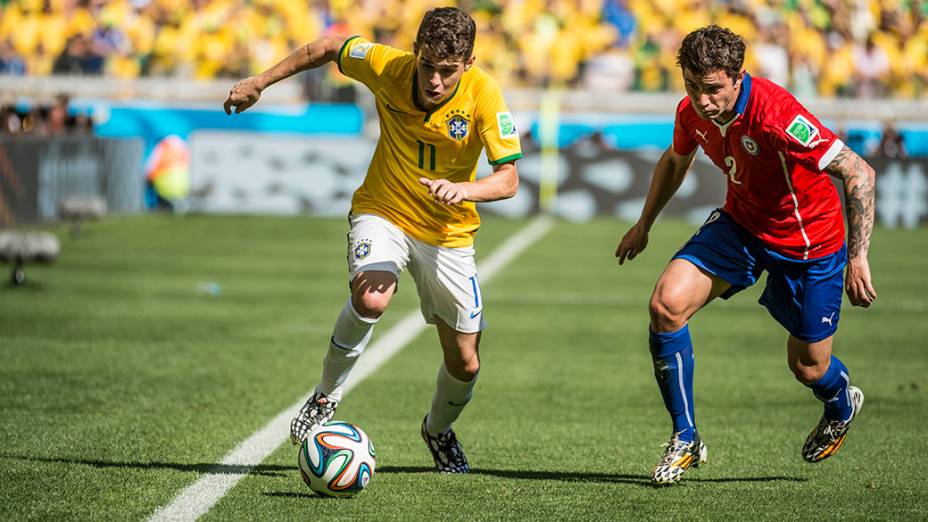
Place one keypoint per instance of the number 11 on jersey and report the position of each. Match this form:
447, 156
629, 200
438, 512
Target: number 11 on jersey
422, 155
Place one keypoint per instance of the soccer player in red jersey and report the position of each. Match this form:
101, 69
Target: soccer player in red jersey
782, 215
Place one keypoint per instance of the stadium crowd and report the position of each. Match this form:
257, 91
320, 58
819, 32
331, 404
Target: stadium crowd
858, 48
53, 119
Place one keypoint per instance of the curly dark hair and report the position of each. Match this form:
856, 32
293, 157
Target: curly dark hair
710, 49
446, 33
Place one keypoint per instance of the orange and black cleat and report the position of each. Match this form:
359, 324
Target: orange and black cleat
679, 456
828, 436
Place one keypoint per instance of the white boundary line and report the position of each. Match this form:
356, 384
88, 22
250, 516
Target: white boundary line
198, 498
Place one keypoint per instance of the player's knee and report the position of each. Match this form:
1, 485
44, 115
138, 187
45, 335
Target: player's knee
370, 304
465, 369
808, 373
469, 369
667, 313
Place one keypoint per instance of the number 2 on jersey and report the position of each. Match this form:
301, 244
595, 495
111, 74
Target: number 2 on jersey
729, 162
422, 155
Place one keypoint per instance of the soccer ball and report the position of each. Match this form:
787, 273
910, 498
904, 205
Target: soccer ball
337, 459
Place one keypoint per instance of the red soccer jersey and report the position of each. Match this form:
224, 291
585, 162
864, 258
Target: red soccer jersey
773, 152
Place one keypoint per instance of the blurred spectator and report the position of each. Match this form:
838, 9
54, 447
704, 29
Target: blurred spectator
616, 12
651, 72
40, 62
871, 69
10, 120
77, 58
34, 121
57, 120
10, 61
892, 143
611, 71
82, 123
823, 47
54, 119
836, 77
771, 56
107, 40
804, 75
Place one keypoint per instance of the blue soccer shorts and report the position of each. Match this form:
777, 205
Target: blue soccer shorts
802, 295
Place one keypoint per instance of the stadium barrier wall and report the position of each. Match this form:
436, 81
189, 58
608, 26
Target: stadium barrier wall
262, 173
90, 90
37, 174
279, 174
626, 131
154, 122
901, 192
343, 131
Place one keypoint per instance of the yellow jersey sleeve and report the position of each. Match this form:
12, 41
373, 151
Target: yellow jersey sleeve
366, 61
495, 124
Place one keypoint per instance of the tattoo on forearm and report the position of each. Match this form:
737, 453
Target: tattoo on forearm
859, 180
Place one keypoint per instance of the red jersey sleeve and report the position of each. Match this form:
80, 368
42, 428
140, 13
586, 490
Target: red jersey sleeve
683, 141
802, 136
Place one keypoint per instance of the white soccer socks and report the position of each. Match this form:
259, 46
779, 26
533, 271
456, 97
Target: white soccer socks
451, 395
350, 336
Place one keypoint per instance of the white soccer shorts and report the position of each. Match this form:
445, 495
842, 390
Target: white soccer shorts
446, 278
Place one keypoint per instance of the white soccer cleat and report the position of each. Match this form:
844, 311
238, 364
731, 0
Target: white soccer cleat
828, 436
678, 457
317, 411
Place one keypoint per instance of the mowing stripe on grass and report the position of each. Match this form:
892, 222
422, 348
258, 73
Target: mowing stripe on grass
198, 498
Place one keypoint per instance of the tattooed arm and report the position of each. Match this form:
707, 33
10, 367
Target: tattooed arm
859, 182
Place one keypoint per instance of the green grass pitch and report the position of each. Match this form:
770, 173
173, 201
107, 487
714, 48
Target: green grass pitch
122, 381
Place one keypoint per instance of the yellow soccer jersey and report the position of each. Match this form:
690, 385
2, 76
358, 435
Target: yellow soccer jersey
443, 143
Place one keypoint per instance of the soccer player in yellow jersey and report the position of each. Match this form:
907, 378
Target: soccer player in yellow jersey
415, 208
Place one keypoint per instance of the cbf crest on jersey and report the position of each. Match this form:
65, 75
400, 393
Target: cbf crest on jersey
362, 249
457, 123
457, 127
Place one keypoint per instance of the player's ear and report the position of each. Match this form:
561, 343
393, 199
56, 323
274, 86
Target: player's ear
739, 79
469, 63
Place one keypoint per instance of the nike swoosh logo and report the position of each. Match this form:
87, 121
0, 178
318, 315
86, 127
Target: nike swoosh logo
394, 109
455, 404
473, 315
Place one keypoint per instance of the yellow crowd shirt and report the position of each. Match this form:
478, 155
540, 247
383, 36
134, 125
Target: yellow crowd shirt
443, 143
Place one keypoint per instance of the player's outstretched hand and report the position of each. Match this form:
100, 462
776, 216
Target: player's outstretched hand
633, 243
444, 191
243, 94
857, 284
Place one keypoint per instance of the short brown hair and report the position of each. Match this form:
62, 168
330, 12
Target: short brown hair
710, 49
446, 33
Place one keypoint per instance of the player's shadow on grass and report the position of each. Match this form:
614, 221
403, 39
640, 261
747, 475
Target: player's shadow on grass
575, 476
290, 494
267, 470
30, 285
